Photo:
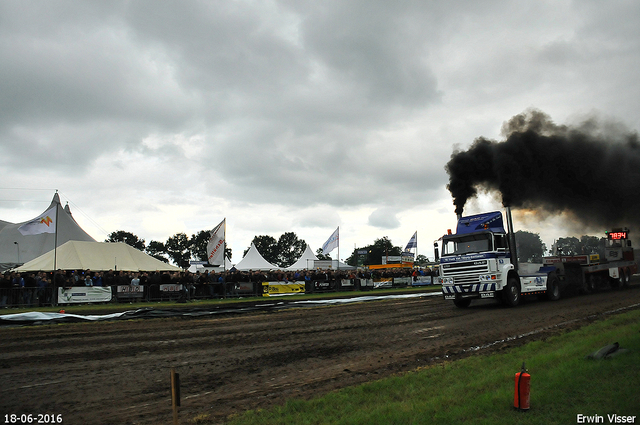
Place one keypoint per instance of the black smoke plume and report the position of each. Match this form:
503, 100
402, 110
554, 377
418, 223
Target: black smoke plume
591, 171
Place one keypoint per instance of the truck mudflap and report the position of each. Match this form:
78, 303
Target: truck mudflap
471, 290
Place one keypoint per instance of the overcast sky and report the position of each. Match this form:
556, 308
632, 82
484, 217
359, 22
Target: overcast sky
165, 117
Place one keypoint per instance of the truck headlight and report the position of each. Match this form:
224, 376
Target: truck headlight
487, 277
446, 280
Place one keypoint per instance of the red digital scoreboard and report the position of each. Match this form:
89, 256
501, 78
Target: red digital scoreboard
616, 236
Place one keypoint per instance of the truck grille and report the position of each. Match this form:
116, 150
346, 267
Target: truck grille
465, 273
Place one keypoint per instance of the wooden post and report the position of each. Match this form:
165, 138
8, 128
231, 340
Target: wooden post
175, 394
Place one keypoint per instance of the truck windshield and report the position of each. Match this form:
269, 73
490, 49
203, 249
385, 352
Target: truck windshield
467, 244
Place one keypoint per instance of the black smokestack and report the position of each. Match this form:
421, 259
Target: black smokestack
591, 170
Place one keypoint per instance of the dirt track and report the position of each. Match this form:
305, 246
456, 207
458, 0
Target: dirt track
118, 372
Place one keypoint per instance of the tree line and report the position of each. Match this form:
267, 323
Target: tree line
181, 249
532, 249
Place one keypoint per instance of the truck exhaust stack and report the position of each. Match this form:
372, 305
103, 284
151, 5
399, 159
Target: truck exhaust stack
512, 240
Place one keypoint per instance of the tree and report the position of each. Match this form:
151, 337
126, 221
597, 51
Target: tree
283, 252
583, 246
157, 250
126, 237
289, 249
267, 246
421, 260
381, 248
568, 246
227, 251
198, 245
530, 246
591, 244
321, 255
177, 247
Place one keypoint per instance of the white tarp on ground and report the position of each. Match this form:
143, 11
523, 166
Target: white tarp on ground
97, 256
254, 261
16, 248
305, 262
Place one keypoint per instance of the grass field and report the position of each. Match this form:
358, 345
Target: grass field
206, 303
479, 389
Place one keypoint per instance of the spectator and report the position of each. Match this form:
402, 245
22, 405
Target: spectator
88, 280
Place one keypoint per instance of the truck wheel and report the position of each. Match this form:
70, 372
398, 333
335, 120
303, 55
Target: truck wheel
553, 288
616, 283
511, 292
589, 284
624, 278
461, 302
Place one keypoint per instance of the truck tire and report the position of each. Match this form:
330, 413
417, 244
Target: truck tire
616, 283
588, 285
553, 287
511, 292
624, 278
461, 302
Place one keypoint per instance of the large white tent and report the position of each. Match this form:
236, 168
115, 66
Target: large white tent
16, 248
96, 256
305, 262
254, 261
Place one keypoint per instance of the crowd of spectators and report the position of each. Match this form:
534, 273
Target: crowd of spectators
37, 288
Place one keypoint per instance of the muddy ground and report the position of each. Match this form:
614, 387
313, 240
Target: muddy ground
118, 372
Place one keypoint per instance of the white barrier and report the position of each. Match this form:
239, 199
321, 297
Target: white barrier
84, 294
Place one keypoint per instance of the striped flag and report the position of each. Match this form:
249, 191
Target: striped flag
413, 242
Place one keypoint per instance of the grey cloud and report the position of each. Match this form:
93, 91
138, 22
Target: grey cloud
294, 100
384, 218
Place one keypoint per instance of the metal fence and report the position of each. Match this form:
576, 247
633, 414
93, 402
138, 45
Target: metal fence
24, 297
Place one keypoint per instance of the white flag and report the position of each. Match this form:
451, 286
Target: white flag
413, 242
332, 242
45, 223
215, 247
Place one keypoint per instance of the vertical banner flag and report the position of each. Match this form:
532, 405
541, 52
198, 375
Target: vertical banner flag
413, 242
215, 247
332, 242
45, 223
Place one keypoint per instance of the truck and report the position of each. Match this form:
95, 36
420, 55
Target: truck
480, 261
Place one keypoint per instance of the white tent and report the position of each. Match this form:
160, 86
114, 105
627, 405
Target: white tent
96, 256
16, 248
305, 262
254, 261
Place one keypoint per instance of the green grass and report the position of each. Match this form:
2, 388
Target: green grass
123, 306
479, 389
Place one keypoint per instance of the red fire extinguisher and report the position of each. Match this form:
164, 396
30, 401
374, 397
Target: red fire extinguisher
521, 393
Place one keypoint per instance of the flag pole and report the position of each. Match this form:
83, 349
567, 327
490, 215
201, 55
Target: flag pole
338, 266
54, 296
224, 260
